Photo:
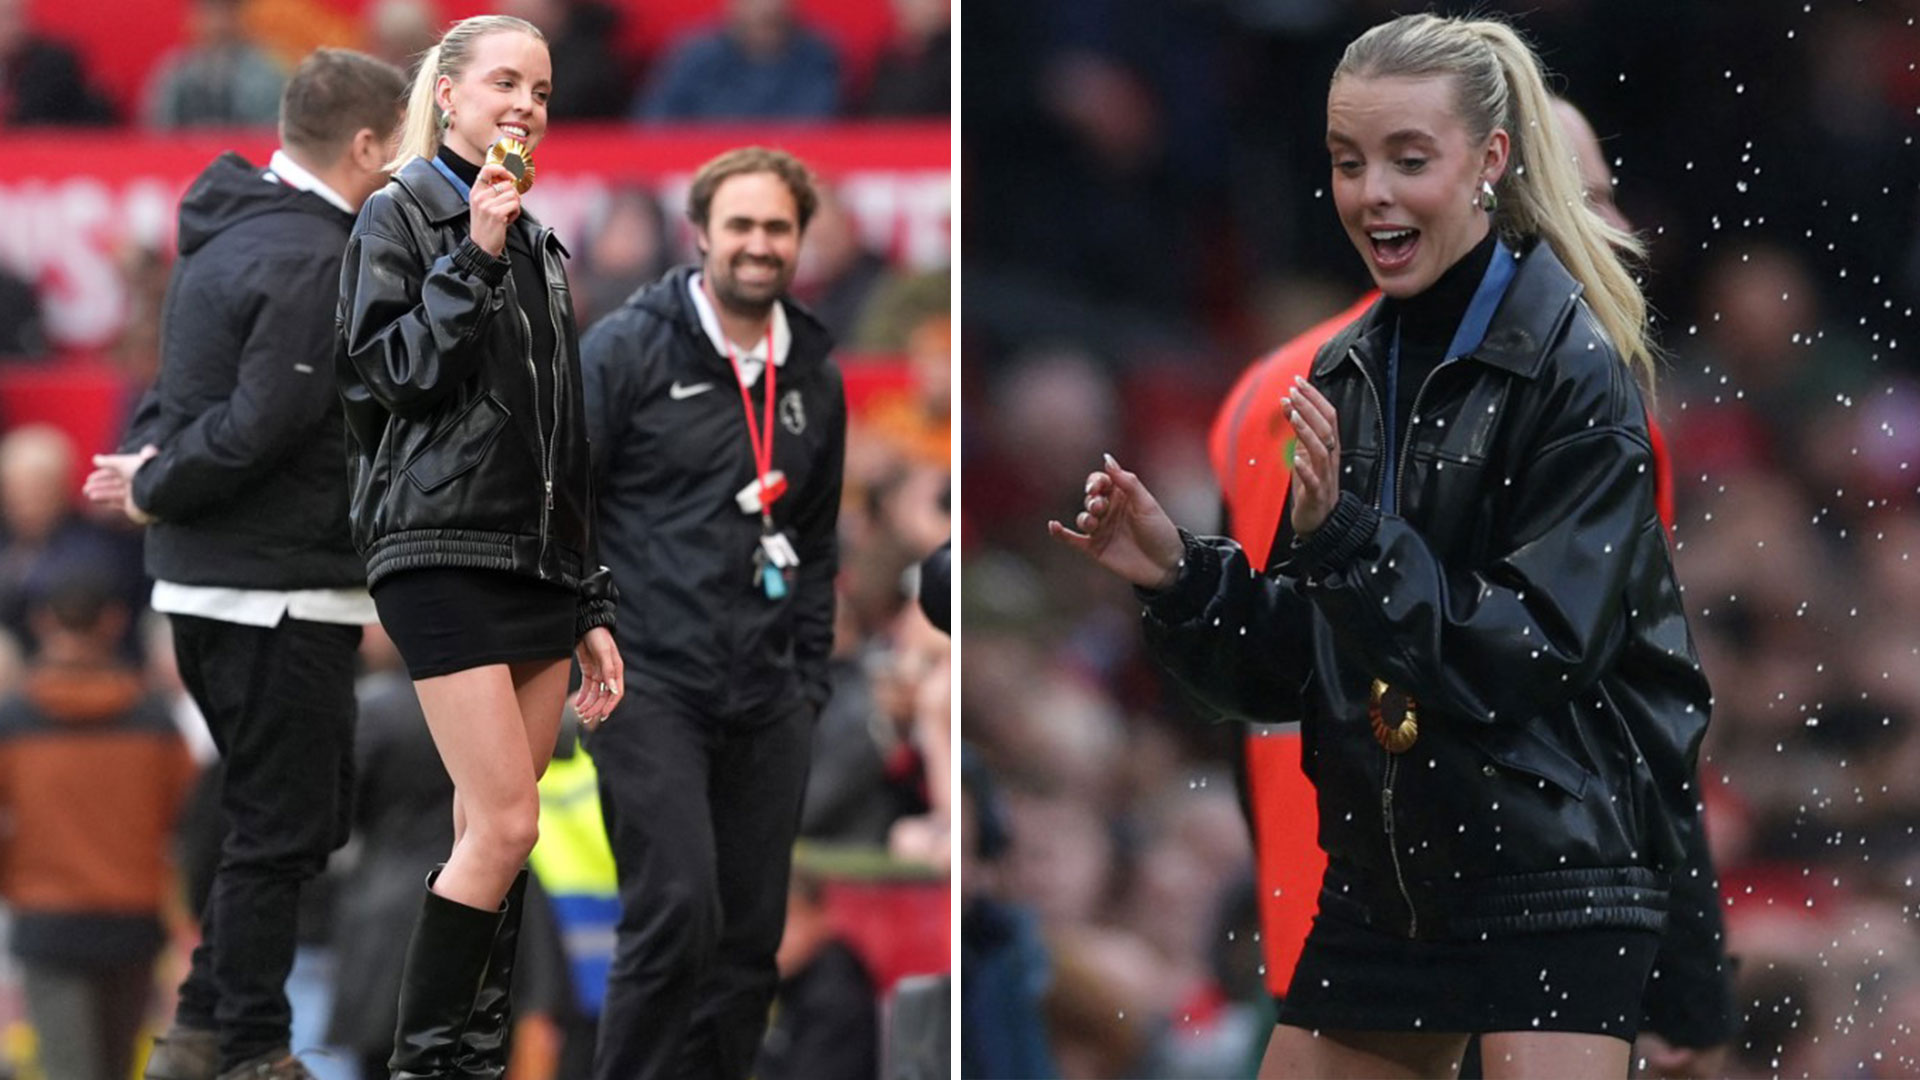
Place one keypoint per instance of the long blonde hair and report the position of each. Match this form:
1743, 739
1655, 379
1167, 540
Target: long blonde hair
420, 134
1499, 85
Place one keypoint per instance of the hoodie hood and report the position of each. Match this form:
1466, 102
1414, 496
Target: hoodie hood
230, 191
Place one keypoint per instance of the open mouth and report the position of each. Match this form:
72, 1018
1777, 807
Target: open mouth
518, 131
1393, 248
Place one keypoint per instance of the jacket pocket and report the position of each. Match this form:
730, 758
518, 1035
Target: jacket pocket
1522, 749
459, 446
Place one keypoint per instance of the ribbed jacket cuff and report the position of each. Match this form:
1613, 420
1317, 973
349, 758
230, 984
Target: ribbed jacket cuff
592, 613
473, 259
1197, 579
1338, 539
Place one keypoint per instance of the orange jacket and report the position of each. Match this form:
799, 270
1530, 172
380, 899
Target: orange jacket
92, 776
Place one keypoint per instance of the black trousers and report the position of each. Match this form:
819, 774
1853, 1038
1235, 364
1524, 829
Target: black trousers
279, 701
702, 812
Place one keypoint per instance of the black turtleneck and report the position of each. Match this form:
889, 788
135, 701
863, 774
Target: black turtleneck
528, 284
1426, 324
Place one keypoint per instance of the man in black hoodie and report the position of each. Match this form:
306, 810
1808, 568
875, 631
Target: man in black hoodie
718, 424
241, 471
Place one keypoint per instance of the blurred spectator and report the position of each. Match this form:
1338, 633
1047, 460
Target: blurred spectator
826, 1019
581, 35
914, 75
923, 673
92, 774
44, 539
218, 79
136, 352
630, 248
760, 64
41, 81
849, 798
399, 31
22, 335
899, 304
838, 272
918, 424
1006, 969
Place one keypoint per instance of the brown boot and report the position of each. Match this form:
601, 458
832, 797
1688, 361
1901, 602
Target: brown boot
184, 1053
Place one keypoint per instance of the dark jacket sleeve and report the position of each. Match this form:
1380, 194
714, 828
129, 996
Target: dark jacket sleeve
816, 524
936, 581
603, 399
1689, 998
1238, 642
412, 331
281, 315
1536, 624
605, 390
149, 424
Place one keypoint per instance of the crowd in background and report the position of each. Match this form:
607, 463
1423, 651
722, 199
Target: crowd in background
878, 779
758, 60
1146, 211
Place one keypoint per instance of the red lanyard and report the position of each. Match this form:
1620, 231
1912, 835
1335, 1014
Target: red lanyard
762, 450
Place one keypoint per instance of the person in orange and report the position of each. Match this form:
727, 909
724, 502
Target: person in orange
1250, 446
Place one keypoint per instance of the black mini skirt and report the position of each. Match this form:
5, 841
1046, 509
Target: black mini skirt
448, 619
1353, 978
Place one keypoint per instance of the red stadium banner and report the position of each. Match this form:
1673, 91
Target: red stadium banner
73, 202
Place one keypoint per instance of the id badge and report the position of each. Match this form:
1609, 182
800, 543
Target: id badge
749, 499
772, 561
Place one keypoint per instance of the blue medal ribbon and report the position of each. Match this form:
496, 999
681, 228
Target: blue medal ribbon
1466, 338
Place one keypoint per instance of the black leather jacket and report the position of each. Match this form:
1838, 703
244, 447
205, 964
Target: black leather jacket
1523, 595
454, 459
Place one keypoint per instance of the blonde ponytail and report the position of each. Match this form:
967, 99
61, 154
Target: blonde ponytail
420, 134
420, 130
1499, 85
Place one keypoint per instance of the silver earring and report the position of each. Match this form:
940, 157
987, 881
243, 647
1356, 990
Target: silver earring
1486, 200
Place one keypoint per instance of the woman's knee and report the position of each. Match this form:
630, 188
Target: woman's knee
504, 833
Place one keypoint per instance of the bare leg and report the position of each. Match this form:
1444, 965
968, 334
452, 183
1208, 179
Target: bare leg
541, 688
1360, 1055
477, 727
1570, 1055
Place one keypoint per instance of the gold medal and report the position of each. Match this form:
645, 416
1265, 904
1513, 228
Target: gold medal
1395, 717
512, 155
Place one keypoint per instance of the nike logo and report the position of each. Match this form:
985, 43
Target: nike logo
681, 393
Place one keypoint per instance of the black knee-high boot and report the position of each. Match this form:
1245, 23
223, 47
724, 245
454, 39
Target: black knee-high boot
445, 962
484, 1045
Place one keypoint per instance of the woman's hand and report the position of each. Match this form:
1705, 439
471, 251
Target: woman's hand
1124, 529
601, 675
1316, 456
495, 202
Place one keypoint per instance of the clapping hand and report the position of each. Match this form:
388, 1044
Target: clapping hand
1123, 529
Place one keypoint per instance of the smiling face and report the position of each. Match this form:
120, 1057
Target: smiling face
502, 92
1405, 175
751, 241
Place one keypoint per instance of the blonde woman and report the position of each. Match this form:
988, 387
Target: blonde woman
1476, 615
471, 503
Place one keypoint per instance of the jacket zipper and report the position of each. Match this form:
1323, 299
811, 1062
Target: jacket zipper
1399, 493
1393, 761
546, 451
554, 318
1393, 847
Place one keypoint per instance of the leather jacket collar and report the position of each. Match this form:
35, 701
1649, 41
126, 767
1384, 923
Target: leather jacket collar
1538, 304
442, 204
